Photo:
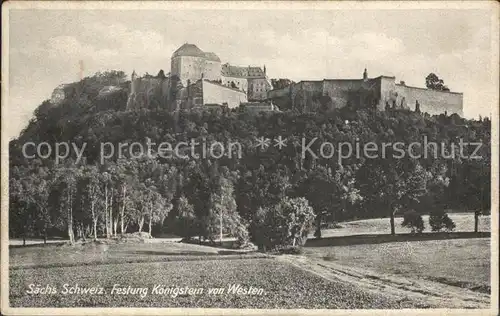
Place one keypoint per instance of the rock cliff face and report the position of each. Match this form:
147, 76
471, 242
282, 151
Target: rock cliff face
102, 86
58, 95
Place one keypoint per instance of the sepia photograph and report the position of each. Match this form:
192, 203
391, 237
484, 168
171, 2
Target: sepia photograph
209, 158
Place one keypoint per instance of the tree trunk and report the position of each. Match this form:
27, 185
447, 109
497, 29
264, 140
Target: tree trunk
45, 233
123, 210
393, 228
141, 223
476, 221
71, 233
111, 212
95, 229
24, 235
317, 233
94, 219
150, 225
106, 210
125, 229
82, 228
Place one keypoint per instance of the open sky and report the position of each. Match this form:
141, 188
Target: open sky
47, 45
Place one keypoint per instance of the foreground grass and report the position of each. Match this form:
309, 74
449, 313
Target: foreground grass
283, 285
460, 262
93, 253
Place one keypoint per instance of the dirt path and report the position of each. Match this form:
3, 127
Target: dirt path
427, 293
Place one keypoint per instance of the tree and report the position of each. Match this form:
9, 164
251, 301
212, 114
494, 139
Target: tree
433, 82
21, 214
107, 184
392, 184
286, 224
94, 194
438, 220
413, 220
281, 83
126, 178
38, 196
161, 74
66, 179
187, 225
329, 193
222, 213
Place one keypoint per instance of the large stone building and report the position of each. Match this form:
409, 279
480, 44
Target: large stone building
198, 78
190, 64
381, 92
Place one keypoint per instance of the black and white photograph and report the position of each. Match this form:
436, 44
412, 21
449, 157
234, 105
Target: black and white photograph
237, 158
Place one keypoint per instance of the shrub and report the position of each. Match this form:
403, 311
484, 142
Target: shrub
286, 224
294, 250
439, 220
413, 220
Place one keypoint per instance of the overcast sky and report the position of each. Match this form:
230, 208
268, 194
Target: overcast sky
46, 47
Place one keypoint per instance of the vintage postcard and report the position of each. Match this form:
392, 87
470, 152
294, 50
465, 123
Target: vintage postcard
249, 158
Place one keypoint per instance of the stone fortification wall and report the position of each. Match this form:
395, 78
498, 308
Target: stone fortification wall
379, 92
149, 92
431, 101
340, 91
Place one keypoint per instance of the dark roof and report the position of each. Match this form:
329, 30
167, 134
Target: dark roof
243, 72
189, 50
212, 56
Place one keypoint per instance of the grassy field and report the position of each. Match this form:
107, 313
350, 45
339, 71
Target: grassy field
93, 253
464, 223
460, 262
283, 286
456, 263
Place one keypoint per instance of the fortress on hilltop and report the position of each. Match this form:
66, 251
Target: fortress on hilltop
190, 64
199, 78
381, 92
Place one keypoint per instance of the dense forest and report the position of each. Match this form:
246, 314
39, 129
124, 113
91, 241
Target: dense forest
270, 196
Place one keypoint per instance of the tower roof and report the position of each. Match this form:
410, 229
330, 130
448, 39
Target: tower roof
212, 56
189, 50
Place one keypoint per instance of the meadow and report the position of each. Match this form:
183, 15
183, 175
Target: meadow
454, 272
464, 223
283, 285
460, 262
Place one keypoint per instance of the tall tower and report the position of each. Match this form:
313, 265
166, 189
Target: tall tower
190, 62
365, 75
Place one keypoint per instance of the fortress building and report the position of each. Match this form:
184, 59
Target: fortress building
190, 64
381, 92
199, 78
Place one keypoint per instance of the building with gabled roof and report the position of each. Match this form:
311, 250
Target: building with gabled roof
189, 64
